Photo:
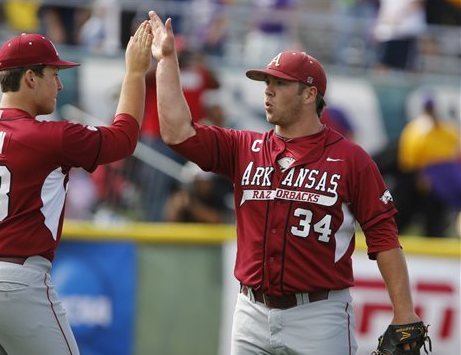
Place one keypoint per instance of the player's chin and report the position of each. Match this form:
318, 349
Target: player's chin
269, 115
271, 118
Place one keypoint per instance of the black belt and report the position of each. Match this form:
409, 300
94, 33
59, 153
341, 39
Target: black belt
284, 301
13, 259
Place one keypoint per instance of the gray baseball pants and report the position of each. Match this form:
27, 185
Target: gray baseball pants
319, 328
32, 319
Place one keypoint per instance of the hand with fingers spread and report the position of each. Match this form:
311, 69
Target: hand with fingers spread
138, 58
138, 51
174, 114
163, 42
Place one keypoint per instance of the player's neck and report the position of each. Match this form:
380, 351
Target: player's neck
302, 129
14, 100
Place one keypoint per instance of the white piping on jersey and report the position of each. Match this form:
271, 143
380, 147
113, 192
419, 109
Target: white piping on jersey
2, 140
53, 196
345, 232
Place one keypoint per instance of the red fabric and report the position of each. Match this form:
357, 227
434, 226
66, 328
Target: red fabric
294, 65
31, 49
35, 160
296, 228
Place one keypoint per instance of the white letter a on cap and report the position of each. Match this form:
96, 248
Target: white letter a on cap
275, 61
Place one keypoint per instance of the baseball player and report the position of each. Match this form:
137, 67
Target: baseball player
35, 160
299, 189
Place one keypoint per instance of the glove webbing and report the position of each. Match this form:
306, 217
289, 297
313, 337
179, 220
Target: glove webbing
411, 351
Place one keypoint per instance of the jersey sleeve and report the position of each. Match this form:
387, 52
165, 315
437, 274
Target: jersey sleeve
373, 207
119, 140
88, 146
212, 148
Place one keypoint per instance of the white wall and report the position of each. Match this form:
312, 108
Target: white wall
435, 283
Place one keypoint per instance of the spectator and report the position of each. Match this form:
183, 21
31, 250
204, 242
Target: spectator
100, 33
399, 25
428, 156
273, 30
81, 196
61, 23
120, 198
354, 26
212, 25
336, 118
204, 198
21, 16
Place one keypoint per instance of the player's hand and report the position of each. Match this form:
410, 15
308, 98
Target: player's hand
163, 42
138, 54
400, 319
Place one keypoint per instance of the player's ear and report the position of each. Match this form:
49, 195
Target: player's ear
29, 78
310, 94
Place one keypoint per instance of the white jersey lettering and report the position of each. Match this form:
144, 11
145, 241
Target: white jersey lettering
288, 181
262, 176
301, 177
321, 185
2, 140
256, 147
247, 174
313, 173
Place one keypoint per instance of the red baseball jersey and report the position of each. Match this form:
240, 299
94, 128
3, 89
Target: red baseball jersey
35, 160
297, 202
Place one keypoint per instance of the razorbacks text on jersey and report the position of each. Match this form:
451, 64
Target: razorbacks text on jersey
309, 191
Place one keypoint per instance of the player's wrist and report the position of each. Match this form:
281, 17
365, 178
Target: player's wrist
403, 318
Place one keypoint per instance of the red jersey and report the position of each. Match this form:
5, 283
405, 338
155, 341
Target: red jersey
35, 160
296, 204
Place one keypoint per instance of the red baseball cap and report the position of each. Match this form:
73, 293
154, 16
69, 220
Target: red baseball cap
295, 66
31, 49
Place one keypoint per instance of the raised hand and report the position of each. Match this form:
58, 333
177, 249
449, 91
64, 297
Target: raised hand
138, 51
163, 41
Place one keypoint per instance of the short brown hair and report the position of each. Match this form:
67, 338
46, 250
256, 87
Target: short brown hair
319, 101
10, 79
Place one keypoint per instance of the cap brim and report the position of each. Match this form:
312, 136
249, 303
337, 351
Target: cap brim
63, 64
261, 74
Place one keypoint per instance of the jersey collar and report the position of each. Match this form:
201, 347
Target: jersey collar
321, 140
14, 113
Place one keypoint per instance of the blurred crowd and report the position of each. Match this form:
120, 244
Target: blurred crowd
382, 33
422, 165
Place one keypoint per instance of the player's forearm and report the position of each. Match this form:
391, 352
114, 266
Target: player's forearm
174, 114
393, 268
132, 96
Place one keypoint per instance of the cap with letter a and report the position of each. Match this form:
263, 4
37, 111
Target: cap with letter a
31, 49
295, 66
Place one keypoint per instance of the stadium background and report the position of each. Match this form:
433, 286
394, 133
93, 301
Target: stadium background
152, 288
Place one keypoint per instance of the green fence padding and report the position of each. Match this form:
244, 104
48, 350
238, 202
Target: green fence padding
178, 300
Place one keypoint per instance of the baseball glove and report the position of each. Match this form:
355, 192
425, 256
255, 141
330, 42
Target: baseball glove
394, 339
